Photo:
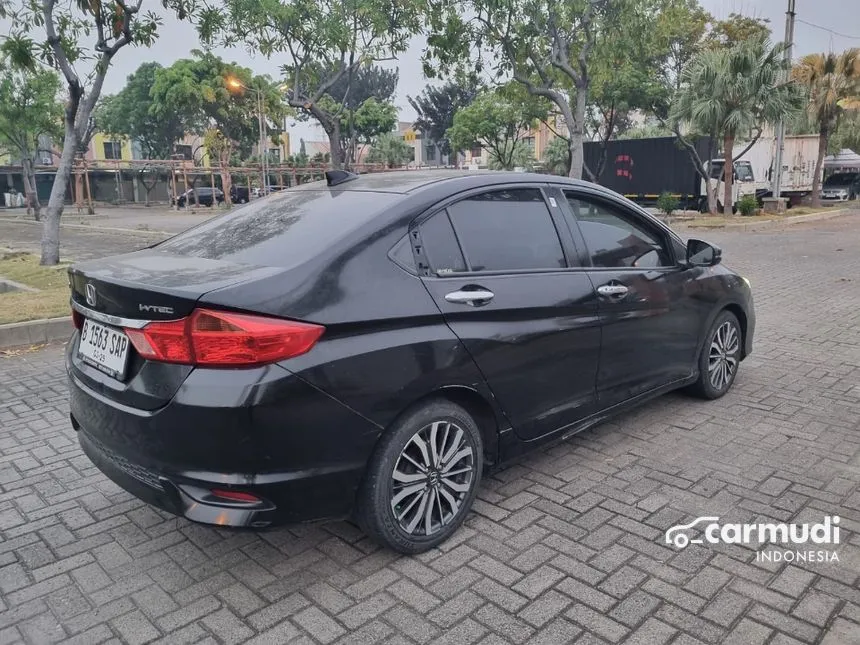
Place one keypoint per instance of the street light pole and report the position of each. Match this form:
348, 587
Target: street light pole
780, 128
261, 131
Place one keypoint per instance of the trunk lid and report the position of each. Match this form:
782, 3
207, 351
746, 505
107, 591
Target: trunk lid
147, 285
153, 285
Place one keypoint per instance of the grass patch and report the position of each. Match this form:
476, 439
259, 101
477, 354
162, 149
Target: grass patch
51, 301
718, 221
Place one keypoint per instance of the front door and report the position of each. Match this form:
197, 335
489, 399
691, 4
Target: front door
649, 319
500, 277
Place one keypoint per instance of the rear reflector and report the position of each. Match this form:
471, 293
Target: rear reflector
235, 496
224, 339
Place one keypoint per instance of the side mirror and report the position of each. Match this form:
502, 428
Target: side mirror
702, 254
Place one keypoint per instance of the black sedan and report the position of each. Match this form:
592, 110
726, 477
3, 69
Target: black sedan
204, 196
366, 347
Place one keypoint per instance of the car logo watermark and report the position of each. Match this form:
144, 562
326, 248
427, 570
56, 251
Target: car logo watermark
782, 542
91, 294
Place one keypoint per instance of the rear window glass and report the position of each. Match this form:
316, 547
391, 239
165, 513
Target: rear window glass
283, 230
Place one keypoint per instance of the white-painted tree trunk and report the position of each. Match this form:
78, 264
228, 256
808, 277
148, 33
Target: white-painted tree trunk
56, 202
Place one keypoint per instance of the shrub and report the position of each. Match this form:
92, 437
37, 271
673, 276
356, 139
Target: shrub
667, 203
747, 205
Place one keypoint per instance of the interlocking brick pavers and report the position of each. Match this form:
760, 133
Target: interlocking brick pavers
564, 546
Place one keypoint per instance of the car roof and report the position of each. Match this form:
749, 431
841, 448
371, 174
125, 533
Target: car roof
411, 181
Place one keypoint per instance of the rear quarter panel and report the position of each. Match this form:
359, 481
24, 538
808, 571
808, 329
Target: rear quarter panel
386, 345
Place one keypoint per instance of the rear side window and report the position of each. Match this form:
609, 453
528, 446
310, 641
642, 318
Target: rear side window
284, 230
507, 230
440, 245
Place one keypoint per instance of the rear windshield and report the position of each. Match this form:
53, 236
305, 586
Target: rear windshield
283, 230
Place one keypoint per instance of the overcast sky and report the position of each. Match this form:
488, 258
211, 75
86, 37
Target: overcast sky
176, 40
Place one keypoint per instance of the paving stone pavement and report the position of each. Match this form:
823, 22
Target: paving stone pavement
563, 546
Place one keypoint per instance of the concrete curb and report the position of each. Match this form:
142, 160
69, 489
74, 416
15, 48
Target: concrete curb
88, 227
35, 332
774, 223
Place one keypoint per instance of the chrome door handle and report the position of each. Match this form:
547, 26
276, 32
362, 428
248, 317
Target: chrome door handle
612, 290
469, 297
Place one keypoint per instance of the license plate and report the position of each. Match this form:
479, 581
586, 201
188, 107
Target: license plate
104, 347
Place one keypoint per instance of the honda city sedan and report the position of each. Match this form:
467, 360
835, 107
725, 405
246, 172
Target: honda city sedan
367, 346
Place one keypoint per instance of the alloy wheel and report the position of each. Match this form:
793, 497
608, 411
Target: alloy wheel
723, 355
432, 477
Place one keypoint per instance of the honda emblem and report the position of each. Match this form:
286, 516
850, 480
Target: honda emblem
91, 295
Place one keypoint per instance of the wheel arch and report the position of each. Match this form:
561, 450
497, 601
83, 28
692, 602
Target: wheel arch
475, 403
741, 315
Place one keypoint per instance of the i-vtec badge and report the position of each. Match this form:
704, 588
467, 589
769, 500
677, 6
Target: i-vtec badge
155, 309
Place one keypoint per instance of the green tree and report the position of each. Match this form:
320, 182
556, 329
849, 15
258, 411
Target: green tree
62, 35
832, 84
731, 92
321, 41
494, 122
436, 107
352, 93
556, 157
846, 134
370, 120
631, 52
30, 107
546, 45
210, 94
130, 114
735, 29
391, 150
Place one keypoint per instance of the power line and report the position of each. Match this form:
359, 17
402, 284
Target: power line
835, 33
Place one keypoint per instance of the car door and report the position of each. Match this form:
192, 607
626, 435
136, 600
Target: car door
496, 262
650, 321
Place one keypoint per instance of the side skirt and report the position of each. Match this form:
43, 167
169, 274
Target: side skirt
511, 446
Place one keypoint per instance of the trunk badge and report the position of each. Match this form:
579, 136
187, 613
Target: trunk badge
91, 295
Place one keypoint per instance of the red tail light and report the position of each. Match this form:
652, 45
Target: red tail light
224, 339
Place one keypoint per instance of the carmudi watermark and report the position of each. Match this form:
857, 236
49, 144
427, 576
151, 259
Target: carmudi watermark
782, 542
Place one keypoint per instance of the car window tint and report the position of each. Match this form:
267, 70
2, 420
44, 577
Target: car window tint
283, 230
507, 230
440, 245
401, 253
615, 240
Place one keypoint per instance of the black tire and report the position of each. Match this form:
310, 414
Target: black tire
375, 510
714, 385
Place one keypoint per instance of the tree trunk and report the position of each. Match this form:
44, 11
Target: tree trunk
823, 136
51, 222
728, 173
30, 189
575, 129
333, 132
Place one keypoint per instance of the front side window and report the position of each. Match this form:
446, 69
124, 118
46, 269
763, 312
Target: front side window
507, 230
616, 240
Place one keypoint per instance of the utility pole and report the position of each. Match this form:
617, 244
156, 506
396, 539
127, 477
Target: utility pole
780, 129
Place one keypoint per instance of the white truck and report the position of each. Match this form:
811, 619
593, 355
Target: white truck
754, 170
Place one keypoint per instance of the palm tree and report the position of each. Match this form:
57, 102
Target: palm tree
731, 93
833, 85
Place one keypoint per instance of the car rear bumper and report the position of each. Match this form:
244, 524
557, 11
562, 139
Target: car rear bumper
302, 454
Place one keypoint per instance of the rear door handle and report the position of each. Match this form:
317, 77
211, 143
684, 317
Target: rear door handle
472, 298
612, 290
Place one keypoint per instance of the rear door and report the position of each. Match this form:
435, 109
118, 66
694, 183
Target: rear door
647, 305
498, 265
